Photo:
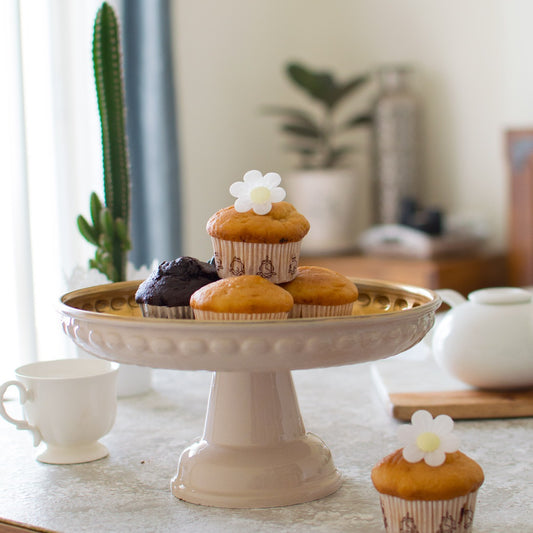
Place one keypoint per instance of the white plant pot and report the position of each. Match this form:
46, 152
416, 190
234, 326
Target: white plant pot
328, 198
132, 380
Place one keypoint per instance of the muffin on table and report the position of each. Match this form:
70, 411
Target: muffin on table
167, 291
247, 297
260, 234
319, 291
428, 486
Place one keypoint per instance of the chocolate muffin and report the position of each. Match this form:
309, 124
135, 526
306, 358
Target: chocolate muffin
167, 291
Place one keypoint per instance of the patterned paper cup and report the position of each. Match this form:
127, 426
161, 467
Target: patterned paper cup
275, 262
409, 516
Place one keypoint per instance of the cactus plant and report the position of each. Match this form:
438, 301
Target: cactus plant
109, 226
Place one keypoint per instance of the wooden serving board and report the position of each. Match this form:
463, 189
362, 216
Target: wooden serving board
463, 404
407, 385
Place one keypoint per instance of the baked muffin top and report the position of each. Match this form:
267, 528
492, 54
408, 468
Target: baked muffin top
282, 224
457, 476
242, 294
172, 282
315, 285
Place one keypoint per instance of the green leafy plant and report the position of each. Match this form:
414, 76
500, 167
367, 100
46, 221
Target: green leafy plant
318, 140
108, 228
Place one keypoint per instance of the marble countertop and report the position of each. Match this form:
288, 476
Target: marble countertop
130, 489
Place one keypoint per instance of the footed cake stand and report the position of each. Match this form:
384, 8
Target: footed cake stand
254, 451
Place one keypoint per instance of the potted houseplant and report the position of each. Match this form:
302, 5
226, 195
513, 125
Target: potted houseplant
108, 229
324, 187
108, 226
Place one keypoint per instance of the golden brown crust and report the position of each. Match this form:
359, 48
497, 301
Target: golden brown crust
242, 294
457, 476
321, 286
282, 224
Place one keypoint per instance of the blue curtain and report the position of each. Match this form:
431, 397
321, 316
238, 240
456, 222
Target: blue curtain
152, 131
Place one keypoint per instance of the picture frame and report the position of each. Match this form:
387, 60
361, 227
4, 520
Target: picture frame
519, 153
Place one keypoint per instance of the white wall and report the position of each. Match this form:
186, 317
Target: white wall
470, 57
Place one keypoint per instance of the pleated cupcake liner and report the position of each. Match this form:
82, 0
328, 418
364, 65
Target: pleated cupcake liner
200, 314
431, 516
275, 262
162, 311
313, 311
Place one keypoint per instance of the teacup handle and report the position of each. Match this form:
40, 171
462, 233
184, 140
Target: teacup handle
23, 397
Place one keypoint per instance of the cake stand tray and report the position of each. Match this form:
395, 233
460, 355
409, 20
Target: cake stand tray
254, 451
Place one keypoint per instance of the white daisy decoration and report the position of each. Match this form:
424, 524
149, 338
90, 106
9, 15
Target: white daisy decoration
427, 438
257, 192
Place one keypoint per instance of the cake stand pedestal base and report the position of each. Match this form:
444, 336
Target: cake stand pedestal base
254, 451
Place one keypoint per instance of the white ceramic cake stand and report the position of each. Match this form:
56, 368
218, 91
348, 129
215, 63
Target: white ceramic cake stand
254, 451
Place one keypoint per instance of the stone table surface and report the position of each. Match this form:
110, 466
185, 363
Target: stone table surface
130, 489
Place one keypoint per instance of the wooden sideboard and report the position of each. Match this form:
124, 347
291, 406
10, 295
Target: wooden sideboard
462, 273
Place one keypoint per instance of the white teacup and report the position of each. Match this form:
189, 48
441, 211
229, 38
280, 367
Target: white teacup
68, 404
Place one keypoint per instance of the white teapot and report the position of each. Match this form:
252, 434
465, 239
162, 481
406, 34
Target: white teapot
487, 340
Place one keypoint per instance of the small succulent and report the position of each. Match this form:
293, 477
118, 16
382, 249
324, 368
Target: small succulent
317, 140
110, 236
108, 229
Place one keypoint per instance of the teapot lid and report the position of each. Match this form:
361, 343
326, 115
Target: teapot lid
500, 296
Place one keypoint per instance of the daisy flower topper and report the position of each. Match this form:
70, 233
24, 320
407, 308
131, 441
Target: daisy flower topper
427, 438
257, 192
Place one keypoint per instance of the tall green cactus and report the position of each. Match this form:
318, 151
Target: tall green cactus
109, 230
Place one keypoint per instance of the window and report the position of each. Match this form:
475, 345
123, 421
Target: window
51, 161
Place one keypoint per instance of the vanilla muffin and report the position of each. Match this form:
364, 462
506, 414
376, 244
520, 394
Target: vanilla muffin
319, 291
428, 486
246, 297
167, 291
267, 245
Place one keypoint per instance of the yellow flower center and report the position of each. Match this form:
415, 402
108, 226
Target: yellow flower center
260, 195
428, 441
